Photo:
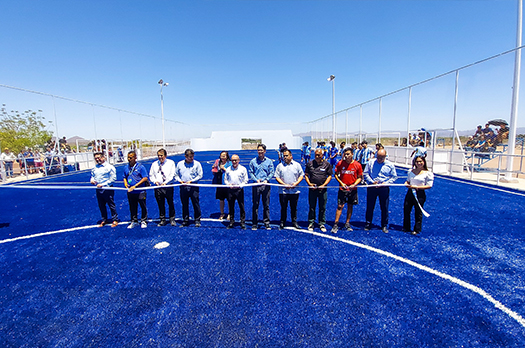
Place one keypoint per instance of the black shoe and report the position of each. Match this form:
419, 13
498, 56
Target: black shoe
281, 226
173, 223
230, 225
243, 226
296, 225
197, 224
162, 223
368, 227
185, 224
267, 226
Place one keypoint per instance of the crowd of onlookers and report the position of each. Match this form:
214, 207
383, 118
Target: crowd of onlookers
486, 139
31, 161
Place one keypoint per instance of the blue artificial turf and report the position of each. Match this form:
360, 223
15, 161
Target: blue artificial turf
213, 287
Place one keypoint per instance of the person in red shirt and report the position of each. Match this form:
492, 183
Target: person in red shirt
349, 174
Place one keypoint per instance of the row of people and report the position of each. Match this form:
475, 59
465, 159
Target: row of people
378, 174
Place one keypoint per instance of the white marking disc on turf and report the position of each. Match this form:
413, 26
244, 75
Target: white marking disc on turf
162, 245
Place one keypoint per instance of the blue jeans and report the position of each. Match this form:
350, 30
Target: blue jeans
258, 192
8, 169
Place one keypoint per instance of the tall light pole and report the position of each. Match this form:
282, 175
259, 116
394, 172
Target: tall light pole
162, 84
332, 78
515, 98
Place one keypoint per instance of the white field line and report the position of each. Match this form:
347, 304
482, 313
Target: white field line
442, 275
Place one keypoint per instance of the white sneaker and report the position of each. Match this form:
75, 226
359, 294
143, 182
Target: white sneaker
311, 227
132, 225
322, 228
143, 224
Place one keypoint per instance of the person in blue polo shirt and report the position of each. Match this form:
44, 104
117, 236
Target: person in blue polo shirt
189, 171
136, 176
261, 170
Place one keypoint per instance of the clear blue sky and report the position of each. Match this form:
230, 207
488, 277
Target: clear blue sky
242, 60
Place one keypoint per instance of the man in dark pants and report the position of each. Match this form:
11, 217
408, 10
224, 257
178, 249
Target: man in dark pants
136, 176
189, 171
290, 174
162, 173
318, 173
261, 170
379, 171
103, 176
235, 177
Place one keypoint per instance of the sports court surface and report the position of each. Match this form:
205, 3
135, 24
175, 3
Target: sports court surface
461, 282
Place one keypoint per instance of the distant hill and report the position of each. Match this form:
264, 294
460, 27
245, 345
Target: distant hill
74, 139
328, 134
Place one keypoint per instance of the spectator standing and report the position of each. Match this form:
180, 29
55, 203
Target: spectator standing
318, 173
289, 173
189, 171
379, 171
332, 153
103, 176
365, 154
342, 148
161, 174
261, 170
8, 158
420, 150
306, 152
235, 177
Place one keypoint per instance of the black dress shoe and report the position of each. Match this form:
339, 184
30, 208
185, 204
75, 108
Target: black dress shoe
230, 225
296, 225
162, 223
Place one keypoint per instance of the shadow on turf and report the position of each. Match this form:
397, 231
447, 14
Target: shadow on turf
4, 224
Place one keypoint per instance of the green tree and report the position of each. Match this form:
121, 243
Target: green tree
19, 130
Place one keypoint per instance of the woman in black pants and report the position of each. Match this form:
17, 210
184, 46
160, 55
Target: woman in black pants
418, 181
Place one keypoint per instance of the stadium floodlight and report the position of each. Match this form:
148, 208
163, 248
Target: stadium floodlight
332, 78
162, 84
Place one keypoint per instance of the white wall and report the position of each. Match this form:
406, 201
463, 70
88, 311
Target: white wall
231, 140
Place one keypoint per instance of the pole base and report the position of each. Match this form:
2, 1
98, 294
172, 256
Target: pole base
509, 179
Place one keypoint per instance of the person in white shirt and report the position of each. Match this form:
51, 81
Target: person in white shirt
418, 181
289, 173
103, 176
8, 158
235, 177
162, 173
